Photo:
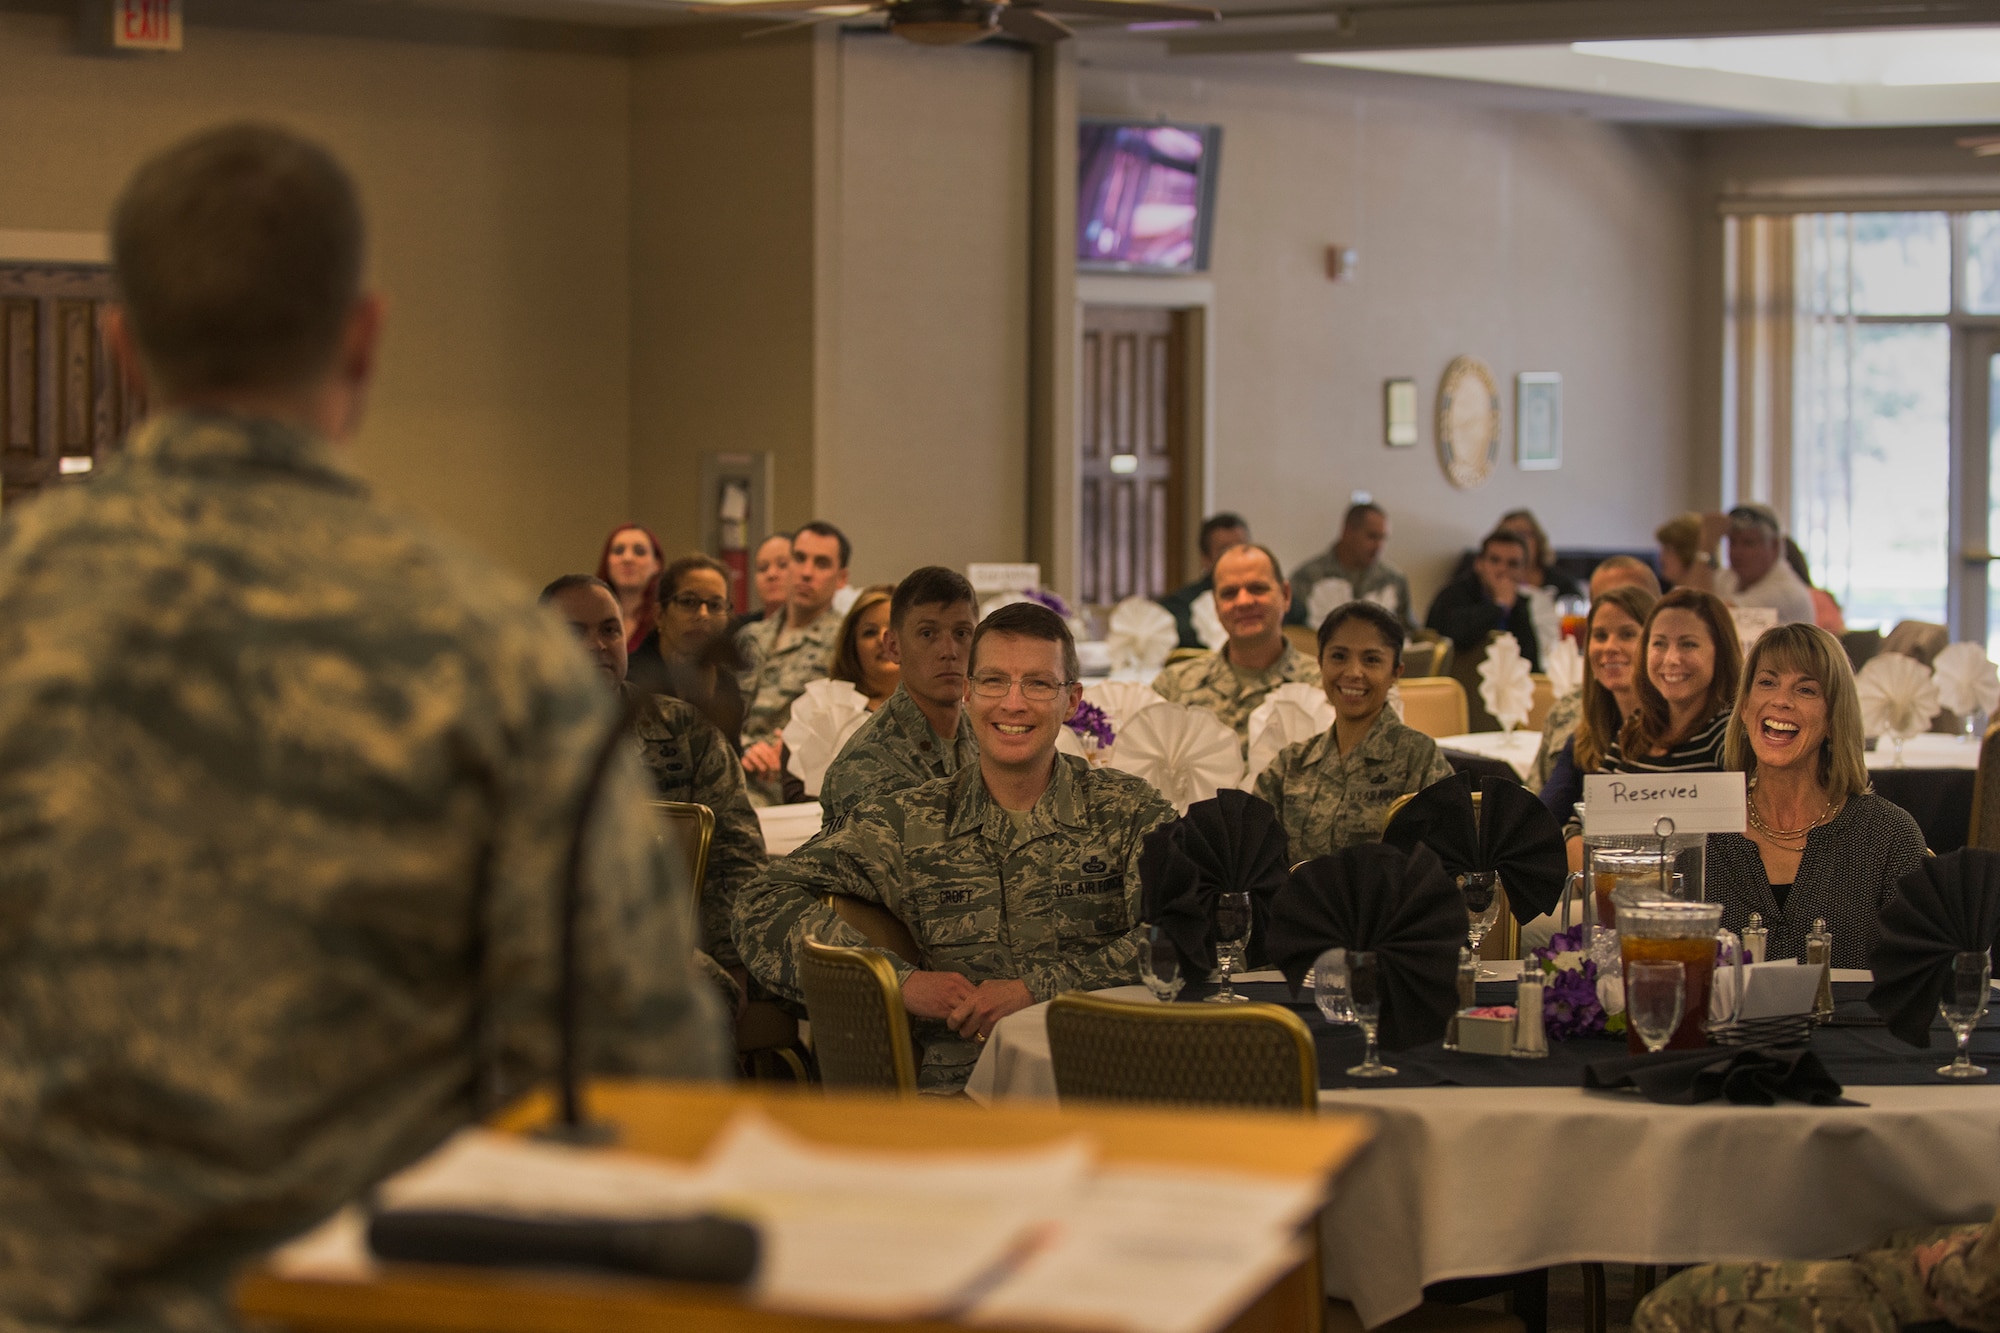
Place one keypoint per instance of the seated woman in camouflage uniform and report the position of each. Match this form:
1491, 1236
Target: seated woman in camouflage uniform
1334, 790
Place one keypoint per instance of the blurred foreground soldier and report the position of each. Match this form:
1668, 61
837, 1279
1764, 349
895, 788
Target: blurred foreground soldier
1944, 1277
288, 785
687, 756
923, 731
1018, 876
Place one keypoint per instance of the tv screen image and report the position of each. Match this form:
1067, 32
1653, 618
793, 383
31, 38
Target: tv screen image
1145, 194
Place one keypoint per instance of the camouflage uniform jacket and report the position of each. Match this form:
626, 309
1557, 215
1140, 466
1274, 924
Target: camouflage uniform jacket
1381, 583
894, 750
1055, 906
1557, 728
1328, 800
778, 674
286, 789
690, 761
1210, 682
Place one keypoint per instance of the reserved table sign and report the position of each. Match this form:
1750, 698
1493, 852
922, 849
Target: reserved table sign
992, 578
1632, 804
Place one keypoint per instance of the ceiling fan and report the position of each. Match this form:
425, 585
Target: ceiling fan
955, 22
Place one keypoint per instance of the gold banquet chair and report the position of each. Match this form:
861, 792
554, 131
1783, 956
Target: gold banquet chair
688, 830
1435, 705
1188, 1055
860, 1030
1427, 653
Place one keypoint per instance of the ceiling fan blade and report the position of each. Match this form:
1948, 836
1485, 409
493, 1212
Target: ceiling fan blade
1032, 25
810, 20
1130, 11
723, 11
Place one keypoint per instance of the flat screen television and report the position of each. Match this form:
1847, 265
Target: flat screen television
1145, 195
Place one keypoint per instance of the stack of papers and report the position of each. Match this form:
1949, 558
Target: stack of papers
1042, 1235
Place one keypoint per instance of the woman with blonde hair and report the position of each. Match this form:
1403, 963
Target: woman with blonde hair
1581, 726
1684, 563
1819, 842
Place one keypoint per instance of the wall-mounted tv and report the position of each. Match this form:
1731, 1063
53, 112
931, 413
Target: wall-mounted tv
1145, 195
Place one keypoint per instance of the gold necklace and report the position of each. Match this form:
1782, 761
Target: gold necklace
1786, 835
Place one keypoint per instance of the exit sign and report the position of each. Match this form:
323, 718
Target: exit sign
146, 25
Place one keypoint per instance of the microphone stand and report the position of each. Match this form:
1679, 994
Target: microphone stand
570, 1125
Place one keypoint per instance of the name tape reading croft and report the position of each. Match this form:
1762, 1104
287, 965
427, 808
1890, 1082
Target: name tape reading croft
1632, 804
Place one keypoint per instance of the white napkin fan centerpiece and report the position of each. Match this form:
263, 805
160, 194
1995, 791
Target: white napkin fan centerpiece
1327, 595
1564, 665
1506, 686
1188, 754
1121, 700
1967, 681
1140, 634
1291, 713
1208, 624
823, 719
1899, 697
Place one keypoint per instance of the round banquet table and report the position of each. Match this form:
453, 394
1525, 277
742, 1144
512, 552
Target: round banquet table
1934, 782
1471, 1181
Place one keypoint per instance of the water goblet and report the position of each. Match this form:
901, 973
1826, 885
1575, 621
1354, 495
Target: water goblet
1364, 988
1232, 941
1963, 1005
1329, 978
1655, 996
1481, 891
1159, 964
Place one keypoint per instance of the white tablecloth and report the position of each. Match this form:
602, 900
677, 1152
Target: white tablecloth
1462, 1182
787, 827
1516, 748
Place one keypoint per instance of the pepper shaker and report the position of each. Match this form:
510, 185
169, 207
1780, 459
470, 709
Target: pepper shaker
1530, 1041
1819, 953
1468, 994
1755, 938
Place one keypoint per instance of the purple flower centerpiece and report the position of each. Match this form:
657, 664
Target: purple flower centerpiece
1052, 602
1092, 725
1576, 1002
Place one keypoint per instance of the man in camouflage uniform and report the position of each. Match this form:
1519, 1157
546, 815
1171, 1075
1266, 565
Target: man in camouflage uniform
687, 756
1018, 876
1250, 596
1356, 560
922, 732
785, 653
1937, 1273
288, 784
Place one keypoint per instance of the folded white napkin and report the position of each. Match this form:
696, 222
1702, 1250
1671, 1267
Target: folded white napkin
1899, 696
1506, 686
1121, 700
1289, 714
1966, 679
1564, 665
822, 719
1140, 634
1396, 701
1544, 614
1208, 624
1325, 596
1188, 754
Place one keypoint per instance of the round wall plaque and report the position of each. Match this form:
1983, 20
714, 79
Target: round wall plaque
1468, 422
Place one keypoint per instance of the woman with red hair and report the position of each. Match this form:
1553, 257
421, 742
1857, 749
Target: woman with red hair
631, 564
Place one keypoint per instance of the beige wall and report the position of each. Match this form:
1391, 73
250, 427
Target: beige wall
926, 460
495, 179
1537, 242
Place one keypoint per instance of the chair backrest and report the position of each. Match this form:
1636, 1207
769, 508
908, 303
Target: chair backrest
1434, 705
1985, 830
1545, 698
860, 1032
1861, 644
879, 926
1304, 638
1921, 639
1183, 1054
689, 828
1421, 659
1441, 652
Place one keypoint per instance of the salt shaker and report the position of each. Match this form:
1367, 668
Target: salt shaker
1530, 1042
1819, 953
1468, 995
1755, 938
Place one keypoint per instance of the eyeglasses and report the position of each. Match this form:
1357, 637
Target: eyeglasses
694, 605
1035, 689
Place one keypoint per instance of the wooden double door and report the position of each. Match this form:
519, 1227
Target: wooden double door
63, 405
1132, 478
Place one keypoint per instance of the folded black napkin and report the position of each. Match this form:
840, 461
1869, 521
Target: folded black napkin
1746, 1076
1948, 905
1232, 843
688, 1249
1511, 832
1402, 906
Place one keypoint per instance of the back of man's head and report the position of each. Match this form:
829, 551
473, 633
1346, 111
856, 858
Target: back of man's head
1623, 571
238, 255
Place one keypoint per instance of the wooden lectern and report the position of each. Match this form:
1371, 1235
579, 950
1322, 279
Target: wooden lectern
679, 1120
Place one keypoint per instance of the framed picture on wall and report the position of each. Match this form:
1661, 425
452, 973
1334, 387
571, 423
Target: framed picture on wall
1538, 421
1399, 413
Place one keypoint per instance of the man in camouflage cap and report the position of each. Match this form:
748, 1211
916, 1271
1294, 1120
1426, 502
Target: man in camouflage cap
922, 732
1251, 596
288, 785
1945, 1274
687, 756
1018, 876
788, 651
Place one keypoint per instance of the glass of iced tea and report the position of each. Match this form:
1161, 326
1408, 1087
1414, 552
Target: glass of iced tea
1674, 932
